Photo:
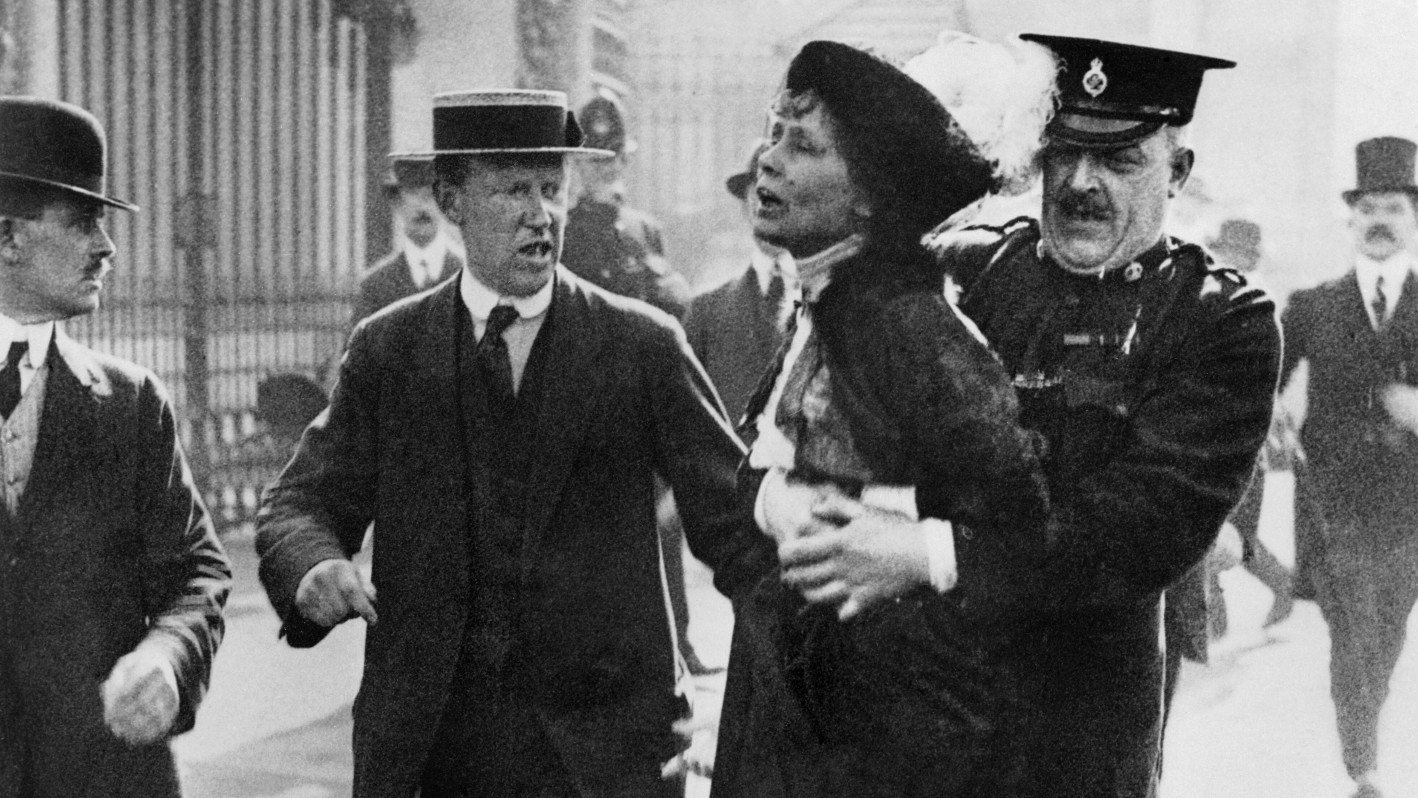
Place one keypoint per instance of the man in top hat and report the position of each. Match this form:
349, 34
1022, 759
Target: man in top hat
608, 242
426, 254
112, 580
1359, 334
1150, 372
504, 433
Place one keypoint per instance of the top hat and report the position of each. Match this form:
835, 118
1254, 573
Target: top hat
505, 122
903, 143
603, 119
1241, 236
55, 144
1112, 94
739, 183
1383, 164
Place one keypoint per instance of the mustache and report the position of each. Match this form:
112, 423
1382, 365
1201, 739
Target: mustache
1085, 205
423, 218
1380, 232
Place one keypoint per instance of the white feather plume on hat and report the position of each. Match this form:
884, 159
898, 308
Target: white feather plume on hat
1001, 95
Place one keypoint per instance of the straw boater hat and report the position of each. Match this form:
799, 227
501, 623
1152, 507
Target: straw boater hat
505, 121
55, 144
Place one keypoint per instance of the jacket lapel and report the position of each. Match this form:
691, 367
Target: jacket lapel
431, 399
575, 381
68, 429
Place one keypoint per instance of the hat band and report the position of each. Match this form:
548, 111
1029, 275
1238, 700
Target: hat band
53, 173
501, 127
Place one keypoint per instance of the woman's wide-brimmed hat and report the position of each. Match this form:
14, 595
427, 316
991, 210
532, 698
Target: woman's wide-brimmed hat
505, 121
55, 144
897, 138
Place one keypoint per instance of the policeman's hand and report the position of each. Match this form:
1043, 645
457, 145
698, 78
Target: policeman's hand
785, 507
140, 697
871, 556
334, 591
1401, 402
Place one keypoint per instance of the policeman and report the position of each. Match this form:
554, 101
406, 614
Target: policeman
1148, 369
608, 242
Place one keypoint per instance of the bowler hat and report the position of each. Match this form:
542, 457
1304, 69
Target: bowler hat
914, 162
55, 144
739, 183
1112, 94
505, 121
1241, 236
1383, 164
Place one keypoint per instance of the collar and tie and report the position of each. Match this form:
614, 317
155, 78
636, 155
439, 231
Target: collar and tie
1379, 304
493, 359
10, 378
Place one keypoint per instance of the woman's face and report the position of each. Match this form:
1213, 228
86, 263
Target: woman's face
804, 199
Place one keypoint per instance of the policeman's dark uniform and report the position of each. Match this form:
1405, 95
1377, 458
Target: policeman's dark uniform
1152, 384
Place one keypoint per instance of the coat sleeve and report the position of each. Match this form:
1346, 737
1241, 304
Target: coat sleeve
1137, 524
1295, 323
697, 453
324, 500
187, 576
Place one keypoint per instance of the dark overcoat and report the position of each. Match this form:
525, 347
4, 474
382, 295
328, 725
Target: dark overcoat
735, 335
111, 546
389, 280
1153, 388
623, 399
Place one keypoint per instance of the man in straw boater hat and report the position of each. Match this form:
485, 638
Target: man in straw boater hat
1149, 371
1361, 456
112, 580
503, 433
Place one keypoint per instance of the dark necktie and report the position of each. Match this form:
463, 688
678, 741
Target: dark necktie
496, 364
1380, 304
10, 378
773, 297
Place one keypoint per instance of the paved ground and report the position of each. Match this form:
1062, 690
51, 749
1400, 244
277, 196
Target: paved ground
1256, 723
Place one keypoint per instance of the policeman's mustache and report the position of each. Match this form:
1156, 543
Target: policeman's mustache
1380, 232
1085, 205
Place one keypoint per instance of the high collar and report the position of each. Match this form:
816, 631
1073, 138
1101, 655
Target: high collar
37, 336
480, 300
815, 271
1149, 259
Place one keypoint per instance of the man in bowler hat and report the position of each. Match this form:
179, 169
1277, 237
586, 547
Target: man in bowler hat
504, 433
1359, 333
616, 246
1150, 372
425, 256
112, 580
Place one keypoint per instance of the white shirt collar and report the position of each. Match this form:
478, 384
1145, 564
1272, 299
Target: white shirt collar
37, 336
431, 256
480, 300
1394, 270
763, 265
815, 271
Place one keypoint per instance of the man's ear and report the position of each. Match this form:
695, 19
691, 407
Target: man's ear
449, 201
1183, 159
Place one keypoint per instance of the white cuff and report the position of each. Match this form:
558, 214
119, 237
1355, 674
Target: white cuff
940, 553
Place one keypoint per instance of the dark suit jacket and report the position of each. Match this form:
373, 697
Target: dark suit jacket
1362, 465
623, 398
733, 332
111, 547
388, 281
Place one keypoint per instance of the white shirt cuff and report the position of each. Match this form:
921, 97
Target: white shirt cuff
939, 536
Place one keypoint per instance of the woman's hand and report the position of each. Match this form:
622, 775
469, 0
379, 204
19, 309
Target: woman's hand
855, 557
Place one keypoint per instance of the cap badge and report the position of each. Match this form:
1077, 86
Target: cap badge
1094, 81
1133, 272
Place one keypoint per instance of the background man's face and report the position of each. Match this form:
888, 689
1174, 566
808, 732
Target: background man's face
512, 214
602, 179
418, 214
1104, 207
1383, 223
53, 267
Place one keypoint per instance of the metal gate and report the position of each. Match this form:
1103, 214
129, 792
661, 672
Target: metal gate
240, 128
